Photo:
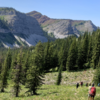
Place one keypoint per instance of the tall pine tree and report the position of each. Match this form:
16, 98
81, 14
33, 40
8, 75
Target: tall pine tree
96, 51
96, 78
5, 70
34, 79
17, 74
72, 55
59, 75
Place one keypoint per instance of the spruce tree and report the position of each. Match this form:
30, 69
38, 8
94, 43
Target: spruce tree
59, 75
90, 51
1, 62
84, 50
38, 54
79, 60
47, 57
5, 70
96, 78
72, 55
17, 74
34, 79
96, 51
25, 67
63, 55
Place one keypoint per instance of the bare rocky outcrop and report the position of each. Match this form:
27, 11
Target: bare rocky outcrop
22, 25
61, 28
20, 22
26, 28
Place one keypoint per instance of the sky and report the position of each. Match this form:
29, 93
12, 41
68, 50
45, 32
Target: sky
59, 9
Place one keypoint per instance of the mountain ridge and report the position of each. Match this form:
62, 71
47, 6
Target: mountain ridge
26, 29
22, 27
70, 26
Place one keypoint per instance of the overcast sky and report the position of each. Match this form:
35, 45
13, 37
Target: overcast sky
60, 9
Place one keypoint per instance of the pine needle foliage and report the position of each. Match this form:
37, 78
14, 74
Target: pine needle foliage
59, 75
17, 75
25, 67
38, 59
5, 70
34, 80
96, 51
72, 54
96, 78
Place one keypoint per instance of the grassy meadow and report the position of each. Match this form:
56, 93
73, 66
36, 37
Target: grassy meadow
49, 91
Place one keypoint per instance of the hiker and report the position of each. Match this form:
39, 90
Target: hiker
77, 85
89, 84
81, 83
86, 84
98, 84
92, 92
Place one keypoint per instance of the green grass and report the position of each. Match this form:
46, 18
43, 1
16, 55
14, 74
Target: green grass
49, 91
52, 92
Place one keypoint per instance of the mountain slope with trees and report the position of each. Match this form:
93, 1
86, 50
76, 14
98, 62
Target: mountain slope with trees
27, 66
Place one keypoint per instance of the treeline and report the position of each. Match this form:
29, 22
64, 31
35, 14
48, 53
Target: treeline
72, 53
27, 66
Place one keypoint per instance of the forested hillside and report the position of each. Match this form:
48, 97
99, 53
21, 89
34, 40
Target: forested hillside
28, 66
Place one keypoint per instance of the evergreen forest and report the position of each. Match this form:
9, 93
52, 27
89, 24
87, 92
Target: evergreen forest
28, 65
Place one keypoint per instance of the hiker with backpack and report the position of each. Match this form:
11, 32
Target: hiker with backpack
98, 84
86, 84
92, 92
77, 85
81, 83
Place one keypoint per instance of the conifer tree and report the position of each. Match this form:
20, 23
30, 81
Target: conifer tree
14, 60
34, 79
90, 51
47, 56
5, 70
54, 60
63, 55
17, 74
59, 75
96, 78
25, 67
84, 50
1, 62
79, 60
38, 59
96, 51
72, 55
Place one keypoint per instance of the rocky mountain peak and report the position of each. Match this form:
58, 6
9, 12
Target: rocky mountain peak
7, 11
24, 28
40, 18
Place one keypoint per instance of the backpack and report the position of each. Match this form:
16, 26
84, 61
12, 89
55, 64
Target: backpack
93, 90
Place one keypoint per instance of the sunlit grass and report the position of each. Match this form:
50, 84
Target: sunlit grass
66, 91
52, 92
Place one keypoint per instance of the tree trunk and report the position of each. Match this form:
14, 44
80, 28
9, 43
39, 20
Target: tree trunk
34, 92
2, 90
17, 92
